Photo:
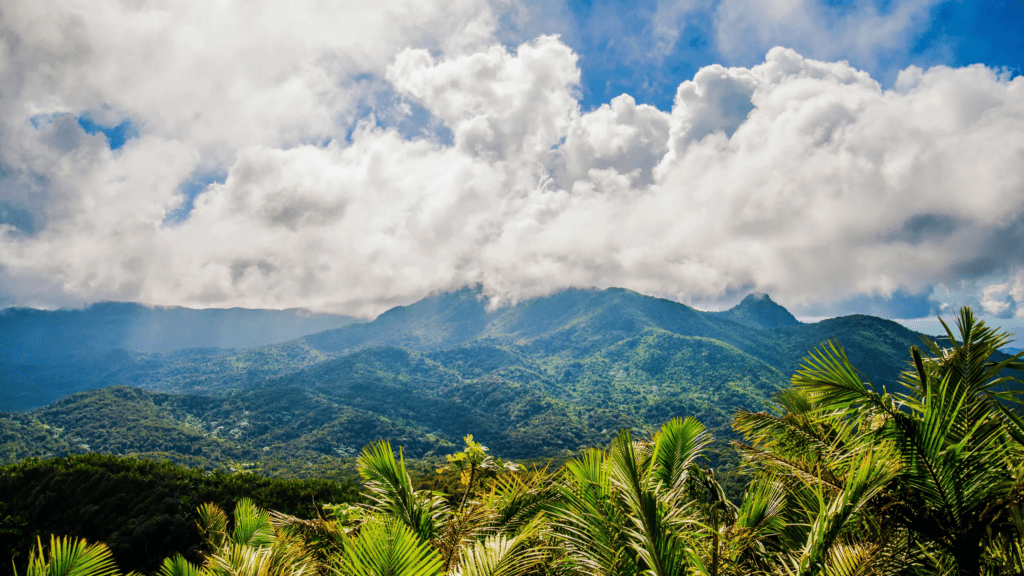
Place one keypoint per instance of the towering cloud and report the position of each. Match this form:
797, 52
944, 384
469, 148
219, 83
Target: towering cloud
383, 154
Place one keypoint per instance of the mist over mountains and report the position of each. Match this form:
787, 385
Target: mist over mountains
37, 334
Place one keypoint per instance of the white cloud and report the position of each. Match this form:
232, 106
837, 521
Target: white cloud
796, 177
628, 138
1006, 299
670, 17
498, 105
864, 33
218, 75
993, 299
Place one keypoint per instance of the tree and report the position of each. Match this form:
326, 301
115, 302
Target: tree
951, 436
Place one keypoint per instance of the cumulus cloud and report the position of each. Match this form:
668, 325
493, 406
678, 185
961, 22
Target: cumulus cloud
1006, 299
797, 177
498, 105
866, 32
622, 136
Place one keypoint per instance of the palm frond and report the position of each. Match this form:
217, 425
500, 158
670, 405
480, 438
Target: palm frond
501, 555
832, 384
876, 470
177, 565
662, 551
760, 510
851, 559
323, 539
462, 529
213, 525
68, 556
590, 524
677, 445
386, 546
517, 501
391, 491
252, 524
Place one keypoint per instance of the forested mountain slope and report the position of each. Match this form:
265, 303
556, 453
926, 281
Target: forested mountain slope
579, 323
541, 378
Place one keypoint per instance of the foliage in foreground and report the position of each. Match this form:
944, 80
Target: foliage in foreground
142, 510
847, 479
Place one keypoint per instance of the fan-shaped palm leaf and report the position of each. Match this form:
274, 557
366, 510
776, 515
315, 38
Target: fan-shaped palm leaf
68, 556
252, 524
391, 490
386, 546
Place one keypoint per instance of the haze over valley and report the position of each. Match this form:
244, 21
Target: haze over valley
541, 378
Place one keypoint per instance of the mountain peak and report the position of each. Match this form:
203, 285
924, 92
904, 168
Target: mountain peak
760, 310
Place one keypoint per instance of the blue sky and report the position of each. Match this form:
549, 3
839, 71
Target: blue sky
615, 42
844, 157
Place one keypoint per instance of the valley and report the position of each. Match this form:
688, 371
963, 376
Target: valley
540, 379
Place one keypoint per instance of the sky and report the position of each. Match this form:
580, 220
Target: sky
347, 157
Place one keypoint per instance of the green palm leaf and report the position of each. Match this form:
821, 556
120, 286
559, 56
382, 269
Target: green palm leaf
501, 555
71, 557
177, 565
391, 491
388, 547
591, 526
875, 472
662, 551
676, 447
252, 525
518, 501
213, 525
281, 558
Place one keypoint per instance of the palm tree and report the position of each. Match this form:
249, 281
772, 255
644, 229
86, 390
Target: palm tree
948, 441
630, 510
497, 535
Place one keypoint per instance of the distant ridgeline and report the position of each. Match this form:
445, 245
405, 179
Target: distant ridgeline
541, 378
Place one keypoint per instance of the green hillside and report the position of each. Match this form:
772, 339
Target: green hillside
540, 379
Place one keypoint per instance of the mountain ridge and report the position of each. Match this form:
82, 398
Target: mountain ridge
760, 310
558, 328
542, 378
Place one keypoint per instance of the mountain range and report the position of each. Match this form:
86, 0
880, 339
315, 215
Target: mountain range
540, 378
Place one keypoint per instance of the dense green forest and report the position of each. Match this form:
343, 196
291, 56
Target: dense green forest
923, 474
541, 379
143, 510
